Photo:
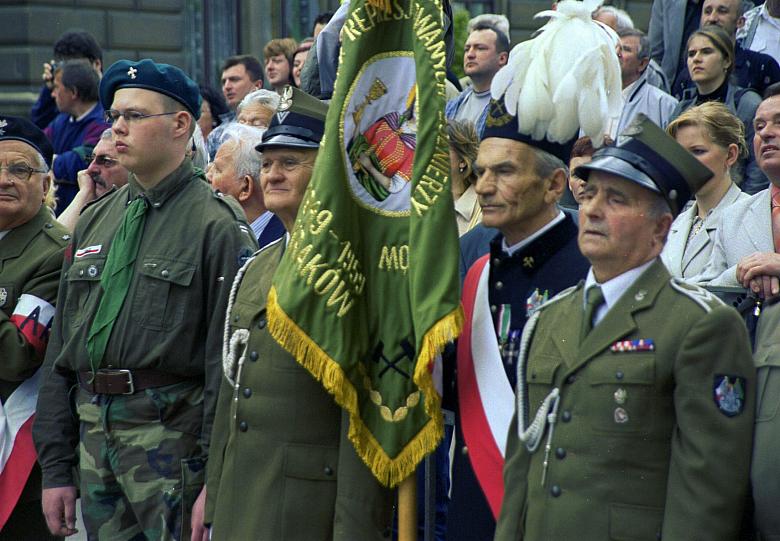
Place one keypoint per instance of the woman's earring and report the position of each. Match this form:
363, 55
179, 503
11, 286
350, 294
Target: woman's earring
461, 167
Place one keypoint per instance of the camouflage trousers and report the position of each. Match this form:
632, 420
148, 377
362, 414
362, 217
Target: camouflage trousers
141, 464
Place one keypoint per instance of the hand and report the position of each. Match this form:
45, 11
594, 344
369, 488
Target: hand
758, 264
86, 185
59, 508
764, 286
199, 531
48, 75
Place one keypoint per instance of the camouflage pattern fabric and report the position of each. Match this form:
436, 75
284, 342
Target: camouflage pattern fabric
141, 462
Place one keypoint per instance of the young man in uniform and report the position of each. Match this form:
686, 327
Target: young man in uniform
138, 333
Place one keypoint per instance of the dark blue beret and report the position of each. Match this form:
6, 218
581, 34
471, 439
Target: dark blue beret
150, 75
500, 123
19, 129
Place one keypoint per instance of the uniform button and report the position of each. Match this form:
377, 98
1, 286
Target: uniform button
247, 392
156, 205
566, 416
555, 491
328, 471
560, 452
618, 375
464, 450
261, 324
499, 285
496, 261
493, 308
81, 272
235, 317
48, 226
253, 356
165, 273
571, 379
242, 426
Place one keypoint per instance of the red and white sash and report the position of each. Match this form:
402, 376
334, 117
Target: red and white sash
486, 401
32, 316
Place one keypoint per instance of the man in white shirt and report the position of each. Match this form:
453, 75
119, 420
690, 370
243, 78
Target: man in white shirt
761, 31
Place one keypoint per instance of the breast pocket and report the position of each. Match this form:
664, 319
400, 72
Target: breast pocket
161, 296
83, 279
622, 393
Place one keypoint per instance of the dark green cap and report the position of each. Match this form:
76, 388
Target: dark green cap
299, 121
647, 155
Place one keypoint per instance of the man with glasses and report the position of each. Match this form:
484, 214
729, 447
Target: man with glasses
137, 341
32, 244
103, 175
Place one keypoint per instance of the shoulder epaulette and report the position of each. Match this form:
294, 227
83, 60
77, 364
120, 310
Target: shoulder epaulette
57, 232
697, 294
232, 204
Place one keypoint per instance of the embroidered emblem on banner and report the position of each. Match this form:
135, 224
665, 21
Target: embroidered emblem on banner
729, 394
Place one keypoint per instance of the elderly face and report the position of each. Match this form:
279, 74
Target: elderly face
222, 174
766, 142
284, 176
256, 115
618, 230
105, 169
723, 13
631, 66
20, 198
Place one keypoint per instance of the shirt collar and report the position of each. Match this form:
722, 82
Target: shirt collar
509, 250
85, 115
613, 289
260, 222
166, 188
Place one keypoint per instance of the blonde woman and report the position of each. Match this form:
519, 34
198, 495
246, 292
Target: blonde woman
716, 138
464, 144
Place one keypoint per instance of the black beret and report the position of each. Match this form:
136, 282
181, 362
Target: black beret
299, 122
15, 128
150, 75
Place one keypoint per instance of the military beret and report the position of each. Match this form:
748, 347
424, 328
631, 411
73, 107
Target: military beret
646, 155
15, 128
500, 123
150, 75
299, 121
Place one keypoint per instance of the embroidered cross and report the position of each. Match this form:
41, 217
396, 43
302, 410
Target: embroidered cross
131, 72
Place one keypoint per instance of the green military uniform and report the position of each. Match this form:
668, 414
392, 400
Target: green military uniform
30, 262
641, 448
145, 450
280, 465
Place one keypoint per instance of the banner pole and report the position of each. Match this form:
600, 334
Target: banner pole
407, 509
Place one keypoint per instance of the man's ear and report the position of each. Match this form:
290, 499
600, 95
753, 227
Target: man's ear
247, 188
555, 185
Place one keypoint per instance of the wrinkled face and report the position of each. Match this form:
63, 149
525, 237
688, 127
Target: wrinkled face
63, 97
277, 69
284, 176
20, 199
696, 140
222, 173
236, 83
723, 13
298, 61
105, 169
479, 54
705, 62
255, 114
508, 189
206, 121
631, 66
766, 142
617, 229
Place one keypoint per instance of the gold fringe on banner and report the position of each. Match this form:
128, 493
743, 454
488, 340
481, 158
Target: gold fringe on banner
389, 471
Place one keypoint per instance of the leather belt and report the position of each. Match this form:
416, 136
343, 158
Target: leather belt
123, 381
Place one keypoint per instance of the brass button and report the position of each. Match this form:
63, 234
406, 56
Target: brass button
464, 450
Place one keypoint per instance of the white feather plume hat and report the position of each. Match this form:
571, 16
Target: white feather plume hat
565, 80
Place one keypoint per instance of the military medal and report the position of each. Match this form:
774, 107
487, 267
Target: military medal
3, 296
535, 301
621, 416
92, 271
643, 344
620, 396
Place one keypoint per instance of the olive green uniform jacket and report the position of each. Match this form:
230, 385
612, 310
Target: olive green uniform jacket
280, 465
30, 263
193, 243
671, 465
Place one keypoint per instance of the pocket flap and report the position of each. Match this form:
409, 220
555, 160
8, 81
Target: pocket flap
244, 313
313, 462
89, 269
625, 368
634, 522
542, 369
169, 270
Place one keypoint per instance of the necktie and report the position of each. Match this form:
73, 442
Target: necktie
776, 218
117, 275
594, 298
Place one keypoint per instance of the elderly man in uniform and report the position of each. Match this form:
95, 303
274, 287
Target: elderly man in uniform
31, 250
138, 330
236, 172
281, 466
635, 391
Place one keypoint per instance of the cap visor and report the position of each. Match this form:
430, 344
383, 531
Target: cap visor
286, 141
617, 167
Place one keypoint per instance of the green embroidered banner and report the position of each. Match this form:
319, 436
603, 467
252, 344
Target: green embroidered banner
367, 292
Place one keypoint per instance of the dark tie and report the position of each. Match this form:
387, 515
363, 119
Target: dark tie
117, 275
594, 298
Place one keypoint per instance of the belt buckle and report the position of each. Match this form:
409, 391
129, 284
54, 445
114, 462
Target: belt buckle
130, 382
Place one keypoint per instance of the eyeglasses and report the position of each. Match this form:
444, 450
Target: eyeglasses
20, 171
112, 115
103, 160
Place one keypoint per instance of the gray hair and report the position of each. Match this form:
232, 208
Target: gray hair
644, 41
545, 164
107, 135
266, 98
624, 20
246, 160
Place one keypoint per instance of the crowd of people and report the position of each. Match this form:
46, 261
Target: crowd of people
600, 389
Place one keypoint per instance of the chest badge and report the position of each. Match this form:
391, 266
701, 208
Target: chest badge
3, 296
729, 394
528, 262
620, 396
536, 299
621, 416
92, 271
